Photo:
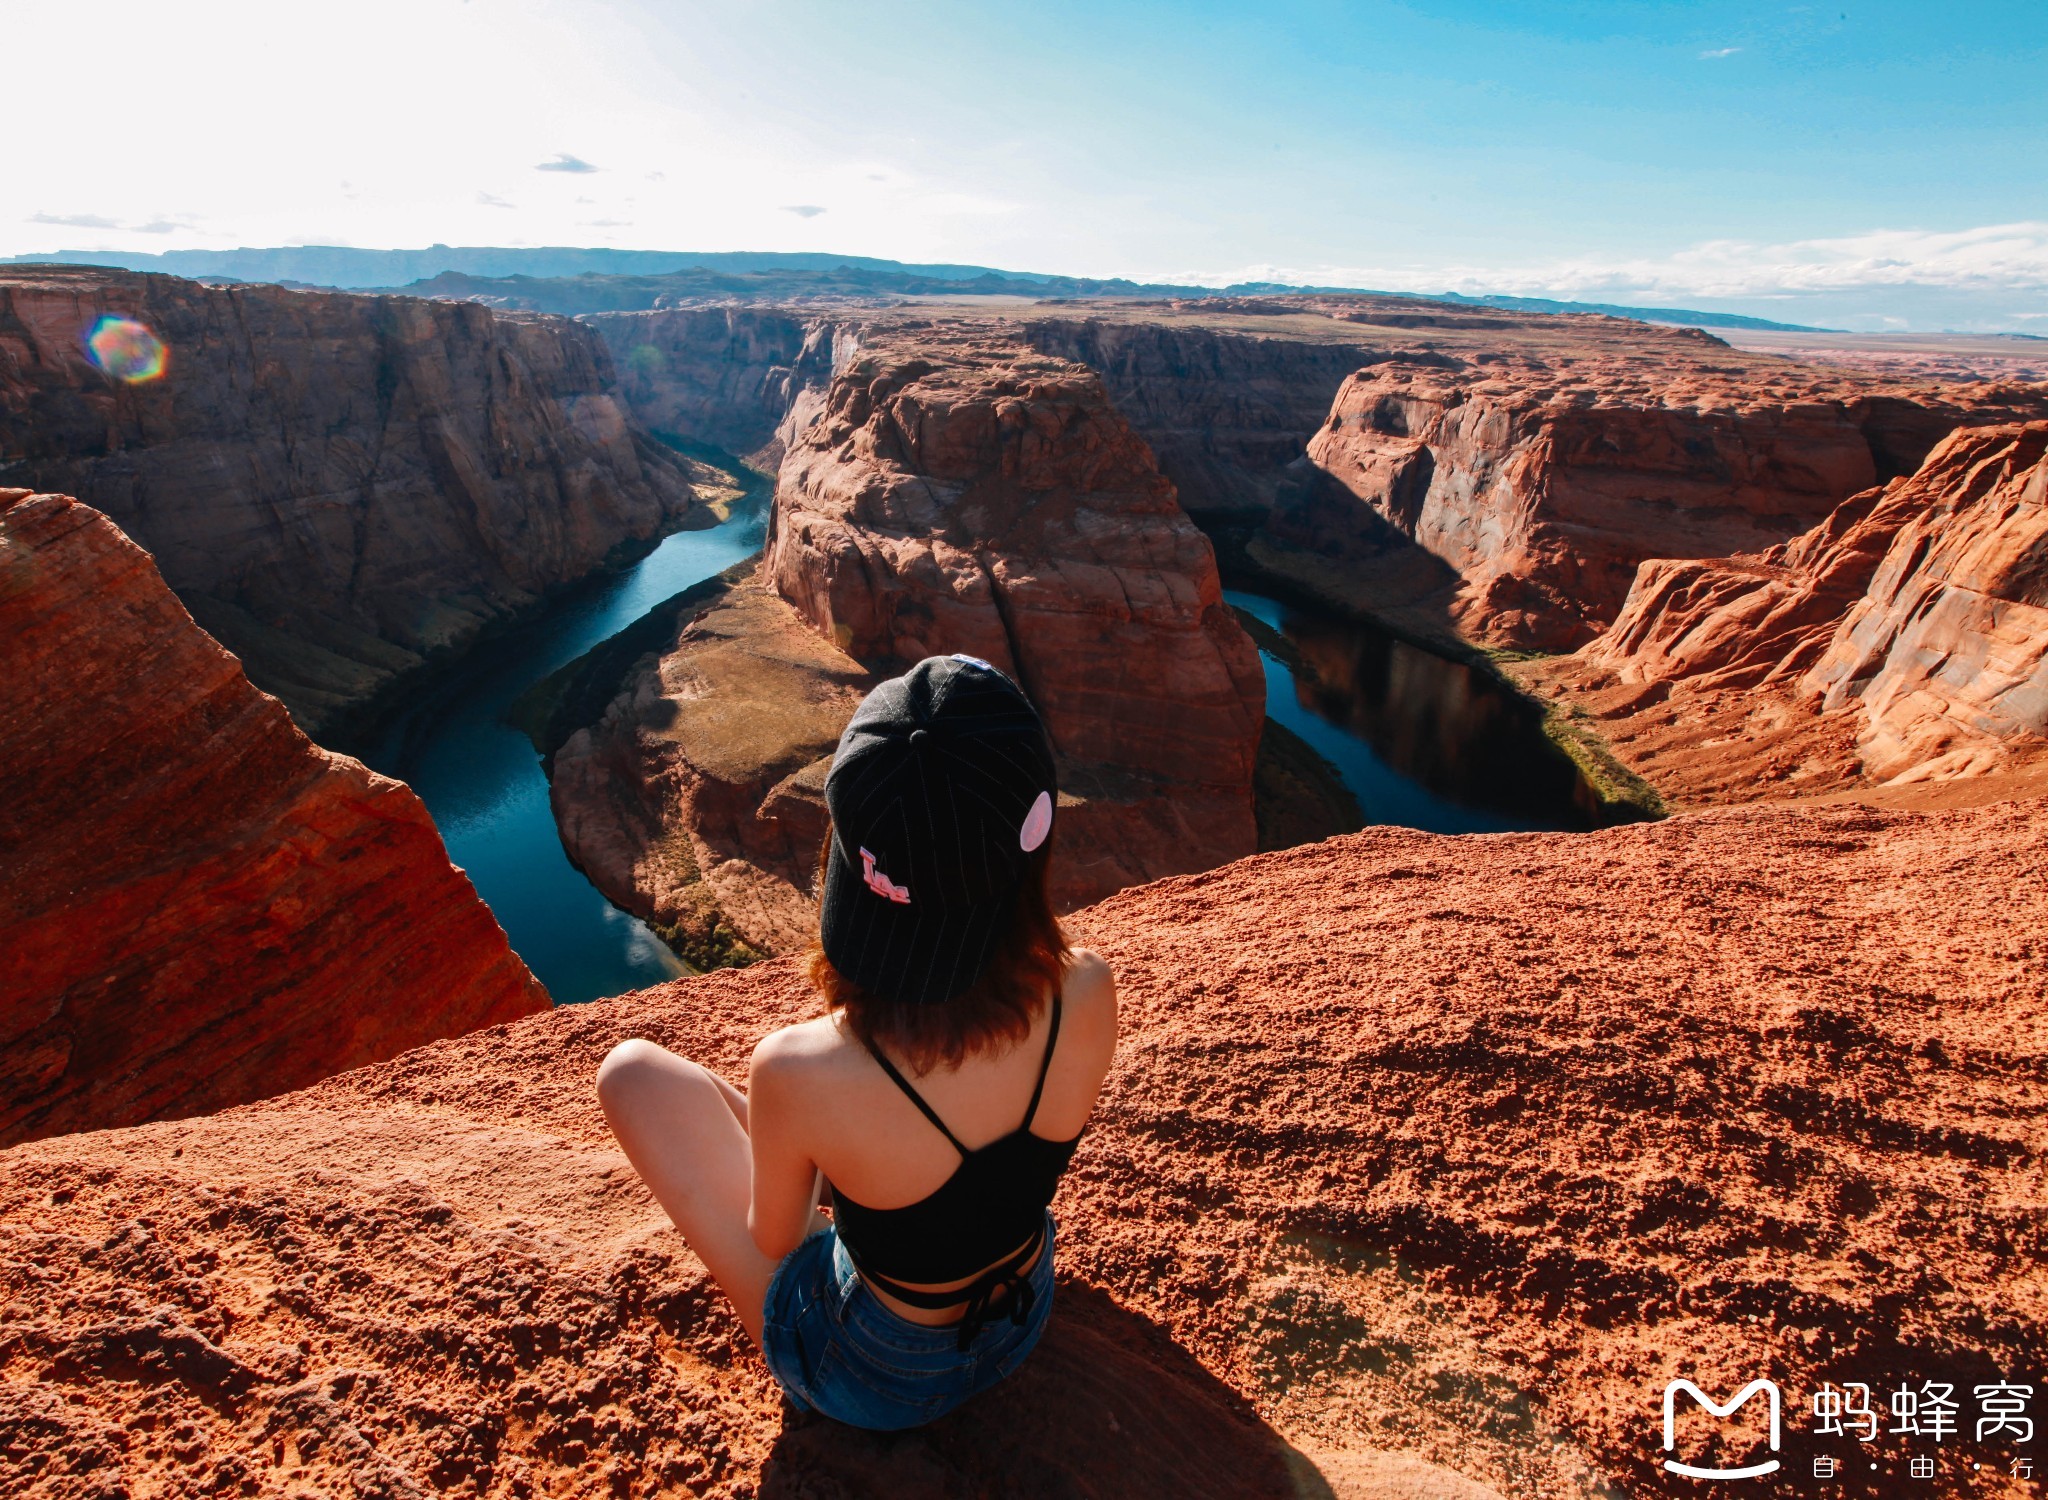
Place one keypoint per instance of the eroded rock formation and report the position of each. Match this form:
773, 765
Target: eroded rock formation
1225, 410
961, 494
1418, 1155
952, 492
1544, 482
1905, 638
339, 487
200, 907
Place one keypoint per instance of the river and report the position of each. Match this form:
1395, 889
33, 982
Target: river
482, 781
1421, 741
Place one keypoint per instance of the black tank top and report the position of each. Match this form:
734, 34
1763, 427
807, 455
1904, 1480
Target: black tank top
975, 1221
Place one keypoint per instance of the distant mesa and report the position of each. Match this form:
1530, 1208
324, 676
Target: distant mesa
348, 268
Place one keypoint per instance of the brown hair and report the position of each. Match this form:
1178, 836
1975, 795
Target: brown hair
1030, 957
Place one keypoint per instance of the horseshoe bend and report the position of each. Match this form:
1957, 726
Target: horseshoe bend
1706, 1042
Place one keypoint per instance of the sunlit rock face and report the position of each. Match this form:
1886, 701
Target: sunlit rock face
1904, 639
341, 488
962, 493
1544, 483
200, 906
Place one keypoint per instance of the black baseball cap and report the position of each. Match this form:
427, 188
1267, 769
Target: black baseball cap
941, 792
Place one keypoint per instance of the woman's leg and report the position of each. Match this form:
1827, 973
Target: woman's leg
684, 1130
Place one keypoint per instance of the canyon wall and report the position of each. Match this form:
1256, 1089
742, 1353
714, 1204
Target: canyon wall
1225, 412
1946, 652
1423, 1164
201, 907
1543, 483
1904, 638
961, 493
341, 488
731, 377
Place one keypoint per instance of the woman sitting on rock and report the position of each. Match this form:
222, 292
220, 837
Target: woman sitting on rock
940, 1096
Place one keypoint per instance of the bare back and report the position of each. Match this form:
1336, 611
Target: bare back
842, 1115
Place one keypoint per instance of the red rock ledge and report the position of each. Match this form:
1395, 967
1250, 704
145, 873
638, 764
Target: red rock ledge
1425, 1163
200, 907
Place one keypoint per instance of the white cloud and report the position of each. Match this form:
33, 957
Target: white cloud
2001, 257
76, 221
1714, 52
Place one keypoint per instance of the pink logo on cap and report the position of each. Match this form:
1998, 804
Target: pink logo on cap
881, 884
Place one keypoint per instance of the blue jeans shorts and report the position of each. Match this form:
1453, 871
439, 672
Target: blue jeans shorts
837, 1350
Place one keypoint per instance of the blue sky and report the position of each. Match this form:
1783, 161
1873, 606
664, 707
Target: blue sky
1860, 165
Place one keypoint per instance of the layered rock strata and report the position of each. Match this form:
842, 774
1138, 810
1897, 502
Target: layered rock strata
341, 488
201, 907
1226, 412
1905, 638
964, 494
736, 378
1424, 1164
1543, 483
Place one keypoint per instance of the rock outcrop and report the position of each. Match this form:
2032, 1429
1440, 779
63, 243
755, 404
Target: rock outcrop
200, 907
1544, 482
1905, 638
1946, 653
1424, 1164
952, 492
341, 488
963, 494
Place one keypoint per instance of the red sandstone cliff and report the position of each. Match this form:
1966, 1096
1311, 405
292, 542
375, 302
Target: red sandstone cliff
339, 487
1544, 482
960, 494
1946, 653
1424, 1164
200, 907
1904, 638
1226, 411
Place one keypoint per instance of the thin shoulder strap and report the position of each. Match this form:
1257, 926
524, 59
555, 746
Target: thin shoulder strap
1052, 1040
918, 1099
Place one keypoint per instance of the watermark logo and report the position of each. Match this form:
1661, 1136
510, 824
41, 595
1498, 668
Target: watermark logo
1716, 1409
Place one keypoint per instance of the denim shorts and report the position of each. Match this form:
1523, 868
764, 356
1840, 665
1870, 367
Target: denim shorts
837, 1350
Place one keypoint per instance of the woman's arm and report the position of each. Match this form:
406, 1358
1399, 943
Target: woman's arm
785, 1180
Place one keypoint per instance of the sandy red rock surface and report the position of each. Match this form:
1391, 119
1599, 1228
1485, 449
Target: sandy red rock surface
1426, 1157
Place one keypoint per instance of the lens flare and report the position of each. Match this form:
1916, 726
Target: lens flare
126, 349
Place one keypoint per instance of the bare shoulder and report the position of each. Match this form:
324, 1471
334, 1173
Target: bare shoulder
799, 1055
1088, 998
